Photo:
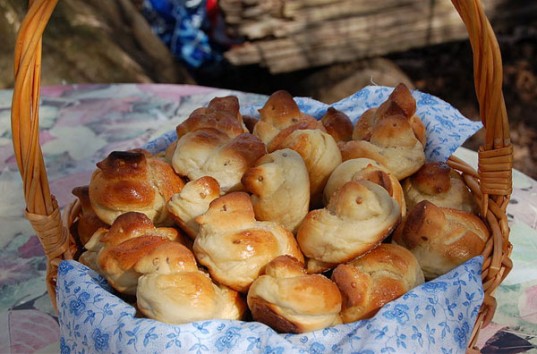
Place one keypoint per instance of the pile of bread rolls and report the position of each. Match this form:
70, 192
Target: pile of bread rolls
291, 221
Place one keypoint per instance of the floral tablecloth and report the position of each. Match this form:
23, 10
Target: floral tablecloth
82, 123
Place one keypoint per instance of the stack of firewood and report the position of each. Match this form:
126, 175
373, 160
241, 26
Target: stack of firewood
288, 35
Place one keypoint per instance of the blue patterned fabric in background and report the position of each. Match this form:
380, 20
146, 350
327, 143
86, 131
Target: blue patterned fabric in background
183, 26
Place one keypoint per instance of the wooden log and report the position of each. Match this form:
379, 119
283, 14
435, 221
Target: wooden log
311, 40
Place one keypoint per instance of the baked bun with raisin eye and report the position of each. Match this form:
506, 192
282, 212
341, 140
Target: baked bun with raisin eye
321, 155
289, 300
441, 238
280, 188
234, 246
173, 290
369, 282
358, 217
193, 201
363, 168
438, 183
136, 181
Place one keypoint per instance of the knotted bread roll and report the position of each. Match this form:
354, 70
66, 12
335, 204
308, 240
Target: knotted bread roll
115, 252
133, 181
363, 168
173, 290
321, 155
280, 188
441, 185
234, 246
369, 282
359, 216
289, 300
281, 115
222, 114
441, 238
211, 152
391, 135
193, 201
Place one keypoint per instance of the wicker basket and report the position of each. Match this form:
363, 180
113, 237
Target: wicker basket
492, 184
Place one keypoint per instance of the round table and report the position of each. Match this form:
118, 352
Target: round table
81, 124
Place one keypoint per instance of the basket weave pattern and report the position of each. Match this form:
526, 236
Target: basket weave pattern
491, 184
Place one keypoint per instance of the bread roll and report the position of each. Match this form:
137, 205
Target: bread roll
171, 289
359, 216
369, 282
392, 143
441, 238
320, 154
222, 114
133, 181
234, 246
280, 188
441, 185
114, 252
88, 222
281, 113
289, 300
390, 134
191, 202
400, 102
211, 152
363, 168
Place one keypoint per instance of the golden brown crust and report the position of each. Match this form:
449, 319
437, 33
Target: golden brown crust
114, 252
391, 134
359, 216
368, 169
441, 185
280, 188
193, 201
171, 289
441, 238
88, 222
289, 300
209, 152
380, 276
281, 115
337, 124
321, 156
234, 246
132, 181
392, 143
222, 114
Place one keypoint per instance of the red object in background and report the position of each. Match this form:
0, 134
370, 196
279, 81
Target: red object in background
212, 11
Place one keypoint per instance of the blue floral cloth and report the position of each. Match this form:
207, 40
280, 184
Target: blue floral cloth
446, 128
436, 317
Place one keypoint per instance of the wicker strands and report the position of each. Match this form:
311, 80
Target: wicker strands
491, 184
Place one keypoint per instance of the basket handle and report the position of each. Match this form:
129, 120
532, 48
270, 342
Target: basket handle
41, 207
